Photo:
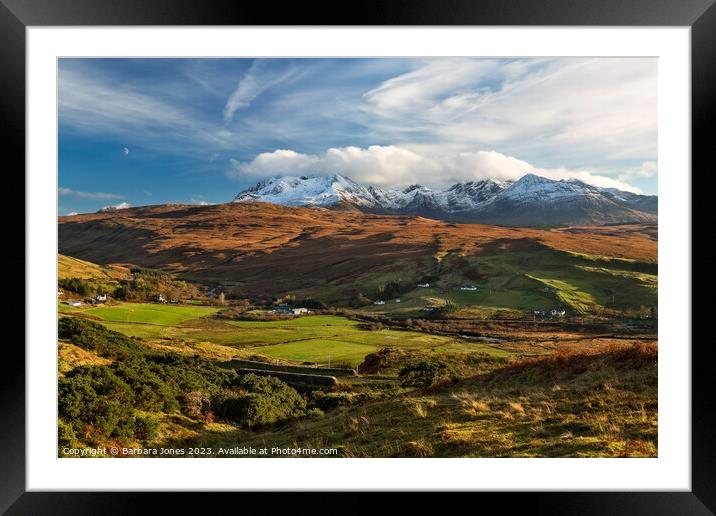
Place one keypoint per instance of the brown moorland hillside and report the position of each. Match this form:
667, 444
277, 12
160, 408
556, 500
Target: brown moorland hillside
267, 248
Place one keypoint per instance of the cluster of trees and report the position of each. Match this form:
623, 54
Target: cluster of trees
147, 284
144, 285
99, 402
76, 285
393, 289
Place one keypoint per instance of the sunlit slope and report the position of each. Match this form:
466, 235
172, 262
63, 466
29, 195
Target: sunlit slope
333, 255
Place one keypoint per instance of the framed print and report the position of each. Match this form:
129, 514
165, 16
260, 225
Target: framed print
419, 250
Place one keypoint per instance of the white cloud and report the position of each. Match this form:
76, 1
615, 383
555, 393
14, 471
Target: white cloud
396, 166
594, 114
199, 199
278, 162
379, 165
646, 170
120, 206
93, 196
604, 108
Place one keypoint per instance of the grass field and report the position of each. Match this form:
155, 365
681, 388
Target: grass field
317, 338
589, 403
162, 315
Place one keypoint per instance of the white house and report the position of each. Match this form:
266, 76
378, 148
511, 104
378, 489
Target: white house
161, 298
423, 285
74, 303
379, 303
292, 311
471, 288
101, 297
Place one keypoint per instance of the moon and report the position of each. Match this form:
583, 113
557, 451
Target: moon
125, 151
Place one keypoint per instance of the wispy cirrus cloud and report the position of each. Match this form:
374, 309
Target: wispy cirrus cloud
260, 77
597, 108
92, 196
379, 120
94, 104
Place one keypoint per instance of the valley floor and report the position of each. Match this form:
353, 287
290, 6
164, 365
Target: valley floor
518, 388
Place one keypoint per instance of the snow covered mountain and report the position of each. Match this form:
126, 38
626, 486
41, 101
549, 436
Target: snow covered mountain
535, 200
531, 200
309, 191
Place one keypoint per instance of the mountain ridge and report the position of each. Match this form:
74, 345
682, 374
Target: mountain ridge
530, 200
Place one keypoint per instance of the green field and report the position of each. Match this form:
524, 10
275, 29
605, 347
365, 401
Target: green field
162, 315
317, 338
321, 350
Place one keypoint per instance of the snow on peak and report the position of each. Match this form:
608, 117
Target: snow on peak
462, 197
306, 191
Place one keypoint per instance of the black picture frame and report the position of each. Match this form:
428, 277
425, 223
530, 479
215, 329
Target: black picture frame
17, 15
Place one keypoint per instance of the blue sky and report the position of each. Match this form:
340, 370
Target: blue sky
152, 131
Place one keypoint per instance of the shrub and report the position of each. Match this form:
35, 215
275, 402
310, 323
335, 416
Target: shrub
425, 374
94, 397
314, 413
66, 436
196, 404
313, 304
95, 337
145, 428
99, 401
152, 393
258, 401
375, 362
326, 401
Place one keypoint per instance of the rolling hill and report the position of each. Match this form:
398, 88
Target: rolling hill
261, 249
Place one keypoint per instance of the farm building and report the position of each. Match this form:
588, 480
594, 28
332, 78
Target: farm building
101, 298
290, 311
379, 303
423, 285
